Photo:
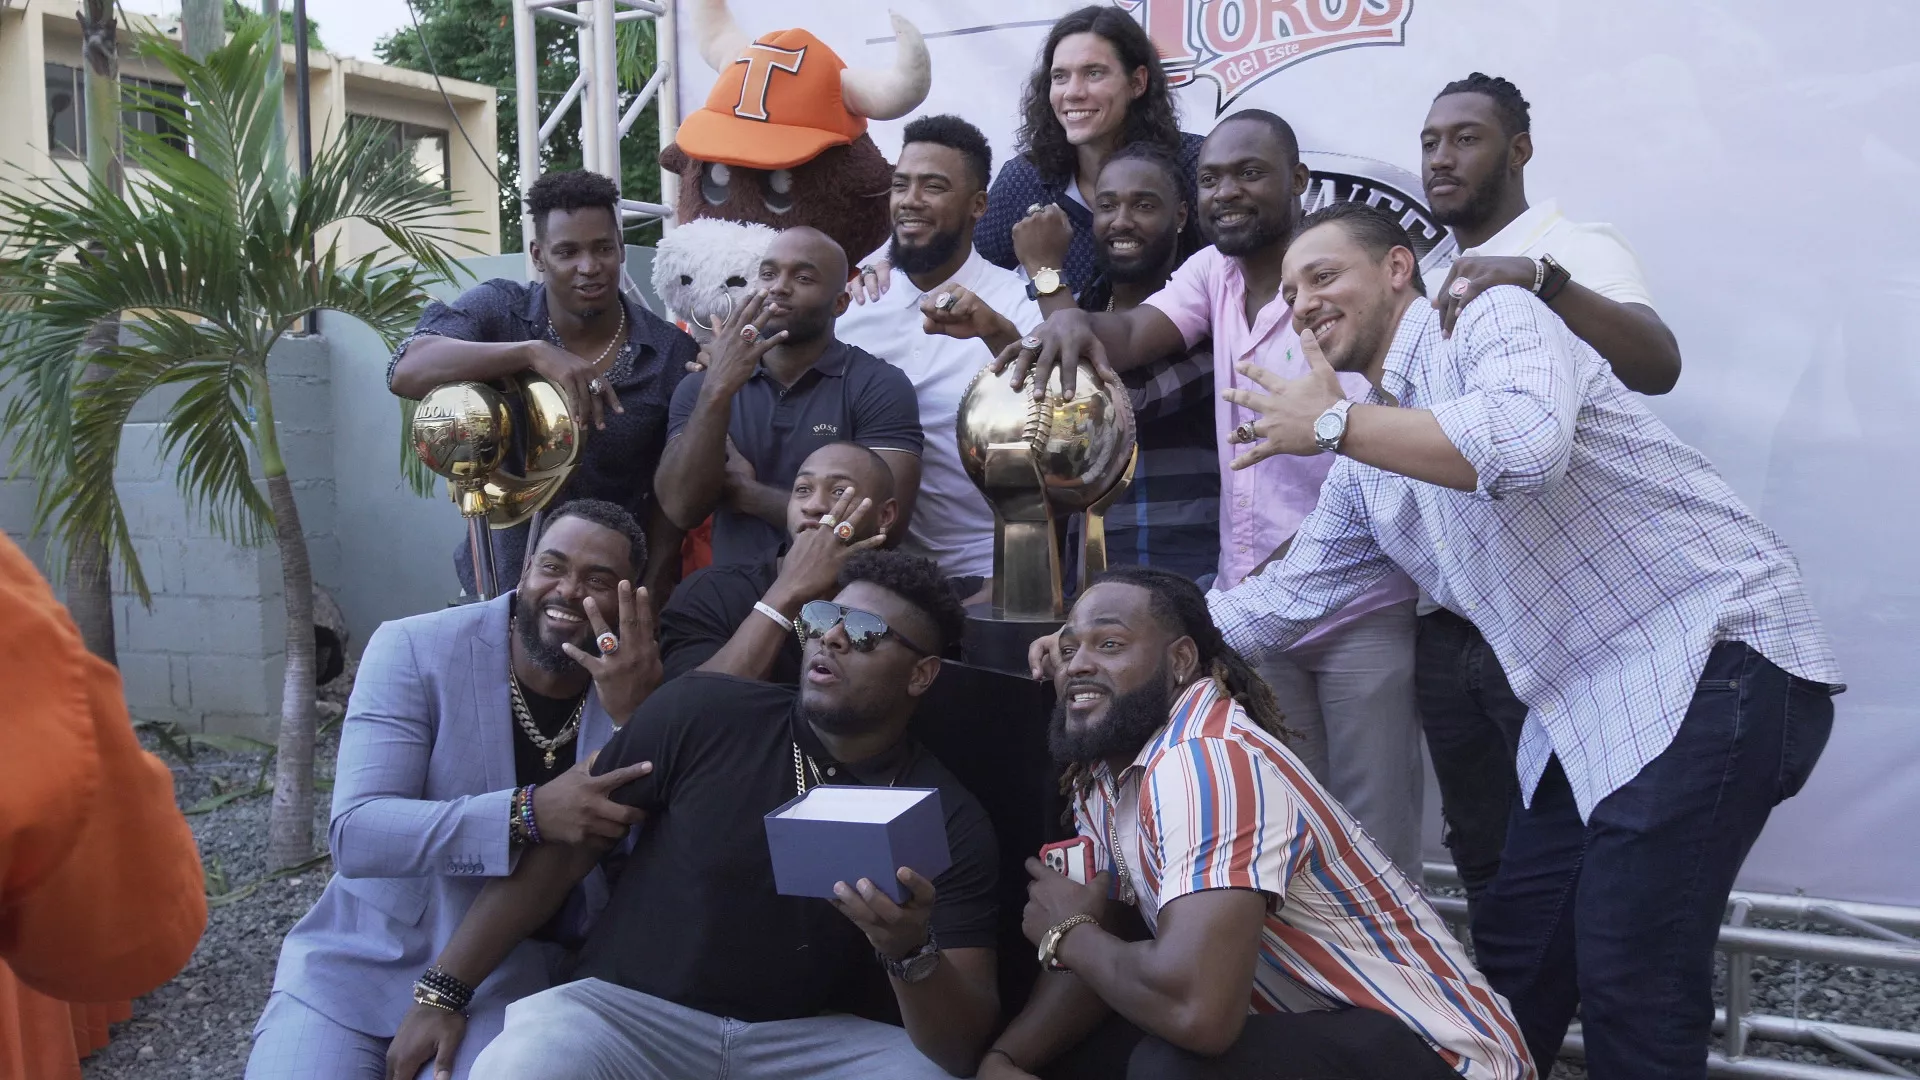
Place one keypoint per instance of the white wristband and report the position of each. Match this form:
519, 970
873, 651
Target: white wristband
773, 613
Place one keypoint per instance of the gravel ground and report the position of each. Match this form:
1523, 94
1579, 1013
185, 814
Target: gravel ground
198, 1026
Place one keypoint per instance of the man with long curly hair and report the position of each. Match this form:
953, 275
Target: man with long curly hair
1259, 933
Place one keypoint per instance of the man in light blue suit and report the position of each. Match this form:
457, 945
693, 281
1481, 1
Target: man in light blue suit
467, 740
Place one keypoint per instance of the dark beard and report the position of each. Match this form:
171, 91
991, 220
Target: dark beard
841, 720
1132, 718
1262, 236
544, 656
1479, 207
922, 258
1151, 266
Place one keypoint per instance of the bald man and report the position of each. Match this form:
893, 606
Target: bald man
738, 619
778, 386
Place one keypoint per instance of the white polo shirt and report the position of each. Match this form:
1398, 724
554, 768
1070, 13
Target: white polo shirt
952, 523
1594, 253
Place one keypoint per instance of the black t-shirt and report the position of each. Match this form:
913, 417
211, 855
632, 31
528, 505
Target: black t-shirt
694, 918
549, 715
708, 608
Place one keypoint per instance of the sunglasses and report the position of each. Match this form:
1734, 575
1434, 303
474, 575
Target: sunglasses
864, 628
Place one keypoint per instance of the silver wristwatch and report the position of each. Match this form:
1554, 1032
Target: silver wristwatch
1331, 427
916, 965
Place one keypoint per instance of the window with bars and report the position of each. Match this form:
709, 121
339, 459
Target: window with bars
67, 110
426, 147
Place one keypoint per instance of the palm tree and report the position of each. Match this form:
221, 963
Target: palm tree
208, 249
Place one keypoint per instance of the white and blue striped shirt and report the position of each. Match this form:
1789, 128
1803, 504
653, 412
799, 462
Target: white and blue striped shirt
1601, 557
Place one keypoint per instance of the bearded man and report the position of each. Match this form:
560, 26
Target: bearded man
467, 742
1259, 934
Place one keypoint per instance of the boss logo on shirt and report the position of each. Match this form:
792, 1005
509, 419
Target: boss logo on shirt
1230, 44
825, 429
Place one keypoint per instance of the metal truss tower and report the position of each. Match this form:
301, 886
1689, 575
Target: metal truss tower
596, 91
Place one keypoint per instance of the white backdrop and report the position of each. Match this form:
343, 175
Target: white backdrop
1763, 158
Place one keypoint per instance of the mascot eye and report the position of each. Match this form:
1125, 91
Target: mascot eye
779, 196
686, 279
713, 183
736, 282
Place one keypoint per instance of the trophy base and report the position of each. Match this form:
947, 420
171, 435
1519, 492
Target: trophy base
999, 643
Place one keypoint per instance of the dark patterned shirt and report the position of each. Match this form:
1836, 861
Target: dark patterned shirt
617, 464
1170, 515
1020, 186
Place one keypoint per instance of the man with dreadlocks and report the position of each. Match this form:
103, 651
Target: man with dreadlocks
1259, 933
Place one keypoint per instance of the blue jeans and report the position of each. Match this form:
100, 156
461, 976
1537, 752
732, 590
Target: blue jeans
1472, 722
1617, 917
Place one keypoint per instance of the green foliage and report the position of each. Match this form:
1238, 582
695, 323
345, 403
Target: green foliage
241, 16
473, 40
209, 251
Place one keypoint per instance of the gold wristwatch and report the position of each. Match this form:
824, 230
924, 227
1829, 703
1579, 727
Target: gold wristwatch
1046, 282
1050, 941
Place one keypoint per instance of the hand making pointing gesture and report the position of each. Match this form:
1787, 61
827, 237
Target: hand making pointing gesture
1287, 409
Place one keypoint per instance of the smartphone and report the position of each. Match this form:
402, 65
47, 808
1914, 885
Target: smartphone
1072, 859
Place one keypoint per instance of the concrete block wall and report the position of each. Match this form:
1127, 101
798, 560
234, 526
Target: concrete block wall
209, 652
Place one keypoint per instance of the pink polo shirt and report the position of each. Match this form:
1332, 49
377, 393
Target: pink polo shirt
1262, 506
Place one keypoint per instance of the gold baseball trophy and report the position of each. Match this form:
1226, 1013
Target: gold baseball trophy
1039, 460
505, 450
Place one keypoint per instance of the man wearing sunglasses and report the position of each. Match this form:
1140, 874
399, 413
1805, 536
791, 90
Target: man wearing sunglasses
699, 968
737, 619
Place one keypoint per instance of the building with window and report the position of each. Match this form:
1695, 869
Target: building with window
43, 129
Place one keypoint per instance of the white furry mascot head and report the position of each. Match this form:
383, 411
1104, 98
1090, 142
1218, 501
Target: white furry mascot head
703, 268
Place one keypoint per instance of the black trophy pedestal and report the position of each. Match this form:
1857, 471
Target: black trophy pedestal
1001, 644
990, 728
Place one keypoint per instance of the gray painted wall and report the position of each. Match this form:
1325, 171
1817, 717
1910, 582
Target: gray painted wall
209, 652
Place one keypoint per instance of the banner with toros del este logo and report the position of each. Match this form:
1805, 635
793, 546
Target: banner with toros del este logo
1761, 159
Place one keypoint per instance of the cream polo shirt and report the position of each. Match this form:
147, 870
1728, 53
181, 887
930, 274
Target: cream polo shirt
952, 523
1594, 253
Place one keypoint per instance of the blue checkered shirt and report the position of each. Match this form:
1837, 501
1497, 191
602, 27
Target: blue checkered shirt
1600, 555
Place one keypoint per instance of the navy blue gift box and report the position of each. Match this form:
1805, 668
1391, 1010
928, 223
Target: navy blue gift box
839, 832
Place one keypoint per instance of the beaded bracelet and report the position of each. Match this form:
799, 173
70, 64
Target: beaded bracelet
529, 828
437, 988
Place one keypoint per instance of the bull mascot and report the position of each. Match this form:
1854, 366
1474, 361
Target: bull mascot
782, 141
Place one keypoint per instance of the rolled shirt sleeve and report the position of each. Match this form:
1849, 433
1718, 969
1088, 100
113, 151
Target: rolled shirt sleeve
1515, 424
482, 313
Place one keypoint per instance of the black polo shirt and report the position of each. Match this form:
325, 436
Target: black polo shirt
708, 608
694, 918
847, 396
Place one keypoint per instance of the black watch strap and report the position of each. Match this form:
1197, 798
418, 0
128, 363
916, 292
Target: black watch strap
1556, 279
917, 964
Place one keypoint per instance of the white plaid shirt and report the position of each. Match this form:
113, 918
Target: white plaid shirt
1602, 557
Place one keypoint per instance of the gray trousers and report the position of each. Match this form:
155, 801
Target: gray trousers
293, 1041
594, 1030
1350, 695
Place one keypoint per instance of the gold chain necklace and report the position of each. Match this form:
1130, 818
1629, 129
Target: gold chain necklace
619, 335
1127, 895
525, 715
800, 771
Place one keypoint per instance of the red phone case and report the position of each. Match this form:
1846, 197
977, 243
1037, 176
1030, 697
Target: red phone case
1073, 859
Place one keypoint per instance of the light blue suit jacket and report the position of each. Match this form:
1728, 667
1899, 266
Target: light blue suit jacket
420, 797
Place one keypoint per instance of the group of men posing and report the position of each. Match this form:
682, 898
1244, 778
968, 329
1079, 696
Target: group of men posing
1617, 667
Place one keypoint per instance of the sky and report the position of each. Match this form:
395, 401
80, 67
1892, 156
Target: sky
348, 27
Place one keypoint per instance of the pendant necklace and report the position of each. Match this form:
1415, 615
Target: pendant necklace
524, 715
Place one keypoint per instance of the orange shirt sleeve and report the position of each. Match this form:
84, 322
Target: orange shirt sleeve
101, 892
